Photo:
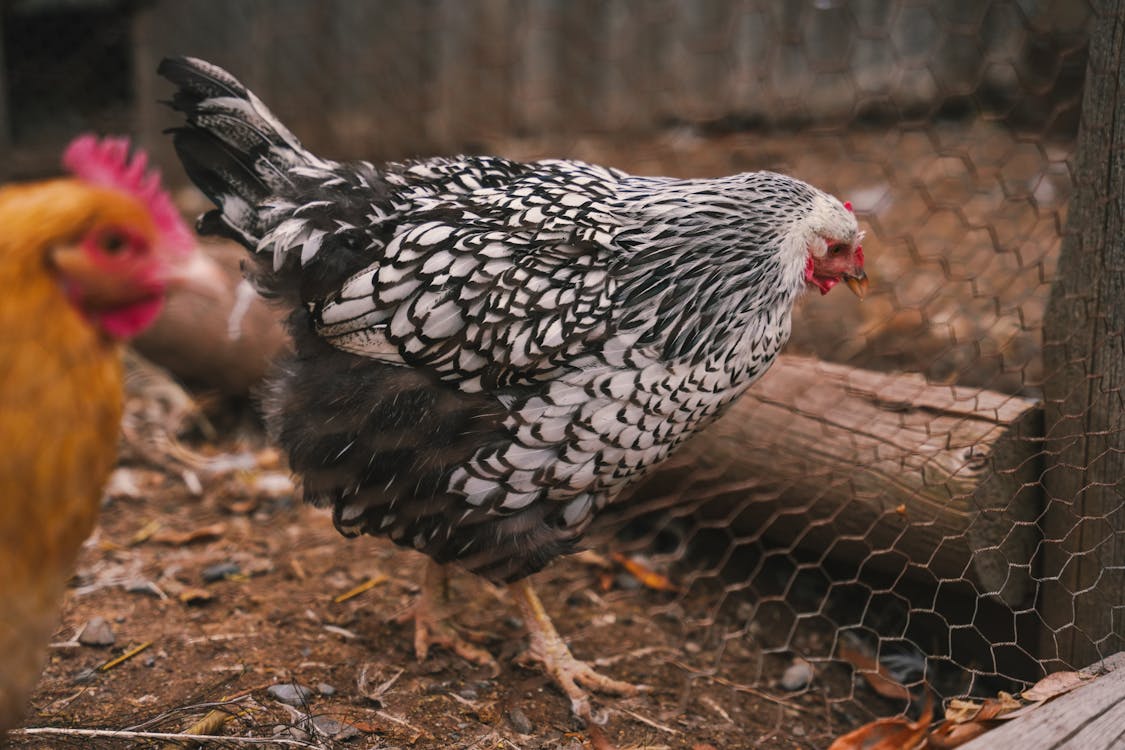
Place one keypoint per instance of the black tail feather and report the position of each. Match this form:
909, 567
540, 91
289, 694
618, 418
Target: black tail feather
232, 146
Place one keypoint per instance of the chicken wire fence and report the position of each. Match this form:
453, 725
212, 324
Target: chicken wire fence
912, 492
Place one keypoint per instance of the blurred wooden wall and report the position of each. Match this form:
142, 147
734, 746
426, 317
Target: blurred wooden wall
395, 78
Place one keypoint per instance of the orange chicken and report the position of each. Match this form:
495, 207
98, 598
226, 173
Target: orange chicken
85, 262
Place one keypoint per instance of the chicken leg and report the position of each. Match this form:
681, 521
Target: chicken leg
549, 650
432, 628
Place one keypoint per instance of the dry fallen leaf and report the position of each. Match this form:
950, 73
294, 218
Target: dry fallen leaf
889, 734
876, 675
180, 538
948, 735
966, 720
648, 577
195, 596
1054, 685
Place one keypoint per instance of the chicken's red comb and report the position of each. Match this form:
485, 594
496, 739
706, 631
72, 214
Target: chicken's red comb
110, 162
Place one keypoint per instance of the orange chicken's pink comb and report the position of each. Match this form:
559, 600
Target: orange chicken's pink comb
107, 162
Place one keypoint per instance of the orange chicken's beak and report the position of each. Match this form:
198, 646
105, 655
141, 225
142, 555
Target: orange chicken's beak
199, 274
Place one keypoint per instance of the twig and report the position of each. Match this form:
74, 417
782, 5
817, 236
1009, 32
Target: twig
370, 583
126, 735
607, 661
342, 632
218, 637
739, 687
643, 720
124, 657
403, 722
375, 695
710, 703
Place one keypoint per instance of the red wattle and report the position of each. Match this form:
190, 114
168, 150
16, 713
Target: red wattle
127, 322
823, 283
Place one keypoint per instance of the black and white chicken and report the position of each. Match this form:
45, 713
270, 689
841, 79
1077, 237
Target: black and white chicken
487, 352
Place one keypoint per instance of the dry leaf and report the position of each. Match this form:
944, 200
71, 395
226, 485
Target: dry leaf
648, 577
876, 675
948, 735
960, 711
1054, 685
967, 720
180, 538
889, 734
998, 707
195, 596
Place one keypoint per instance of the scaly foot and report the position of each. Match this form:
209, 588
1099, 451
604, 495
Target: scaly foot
431, 628
549, 650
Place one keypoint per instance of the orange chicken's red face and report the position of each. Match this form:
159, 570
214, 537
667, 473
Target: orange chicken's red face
112, 271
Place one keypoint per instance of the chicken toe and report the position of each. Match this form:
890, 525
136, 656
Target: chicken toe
549, 651
432, 627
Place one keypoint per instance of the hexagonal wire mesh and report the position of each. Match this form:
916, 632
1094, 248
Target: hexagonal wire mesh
879, 498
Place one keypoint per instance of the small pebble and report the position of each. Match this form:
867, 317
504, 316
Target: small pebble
626, 582
86, 675
692, 647
290, 693
97, 633
519, 721
468, 694
325, 689
150, 661
333, 729
797, 676
220, 571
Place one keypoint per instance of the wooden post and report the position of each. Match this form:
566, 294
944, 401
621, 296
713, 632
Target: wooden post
1082, 596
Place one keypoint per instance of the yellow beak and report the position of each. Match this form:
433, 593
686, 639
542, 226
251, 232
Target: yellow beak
857, 282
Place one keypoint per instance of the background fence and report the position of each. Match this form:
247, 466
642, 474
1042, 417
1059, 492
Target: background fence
934, 478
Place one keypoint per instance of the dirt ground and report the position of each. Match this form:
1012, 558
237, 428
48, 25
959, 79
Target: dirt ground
275, 618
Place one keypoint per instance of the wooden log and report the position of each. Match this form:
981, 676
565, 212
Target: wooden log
886, 472
1084, 368
1091, 717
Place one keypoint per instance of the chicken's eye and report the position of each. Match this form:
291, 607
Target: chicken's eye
112, 243
837, 249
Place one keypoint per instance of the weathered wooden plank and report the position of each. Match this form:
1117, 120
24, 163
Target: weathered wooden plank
473, 56
1084, 363
935, 482
534, 109
380, 96
581, 54
700, 58
1091, 717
